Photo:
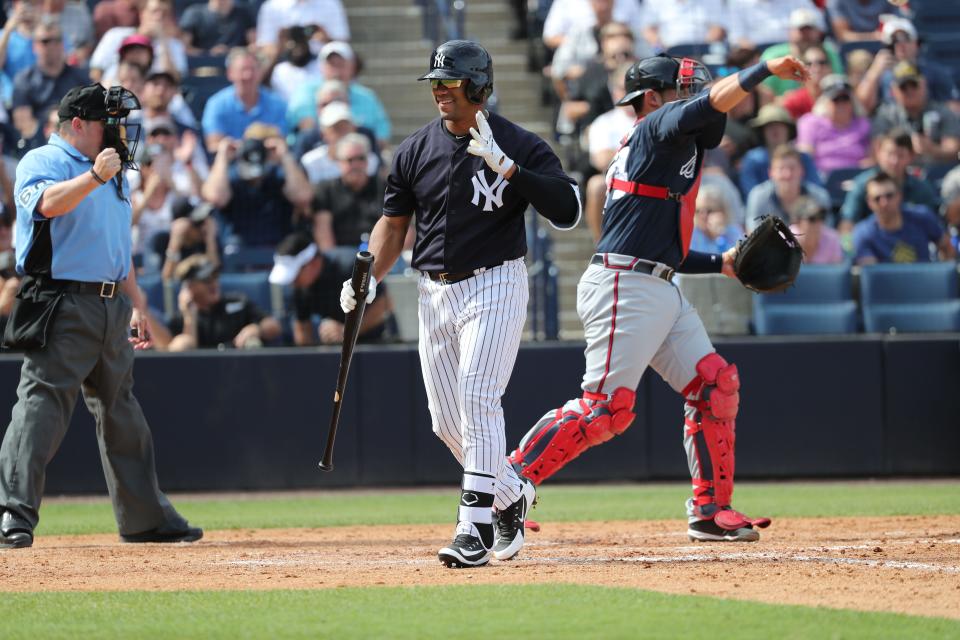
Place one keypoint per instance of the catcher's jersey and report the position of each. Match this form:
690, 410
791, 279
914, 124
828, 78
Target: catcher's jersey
467, 215
663, 149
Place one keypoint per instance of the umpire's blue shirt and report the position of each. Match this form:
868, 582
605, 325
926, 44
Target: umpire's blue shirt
90, 243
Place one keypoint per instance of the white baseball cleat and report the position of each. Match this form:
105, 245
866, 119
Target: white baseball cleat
510, 523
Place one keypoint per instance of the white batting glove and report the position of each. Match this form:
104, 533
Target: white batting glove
348, 297
484, 146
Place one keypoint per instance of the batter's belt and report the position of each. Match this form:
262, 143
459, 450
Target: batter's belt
655, 269
448, 277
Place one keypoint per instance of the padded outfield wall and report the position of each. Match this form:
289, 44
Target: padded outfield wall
850, 407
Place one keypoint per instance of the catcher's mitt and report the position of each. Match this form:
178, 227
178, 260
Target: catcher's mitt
768, 260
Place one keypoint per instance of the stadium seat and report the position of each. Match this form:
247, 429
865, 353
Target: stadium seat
820, 302
910, 297
207, 65
248, 259
197, 89
689, 50
837, 183
152, 286
870, 46
253, 285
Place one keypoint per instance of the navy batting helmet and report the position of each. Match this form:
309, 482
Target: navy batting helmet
463, 60
662, 72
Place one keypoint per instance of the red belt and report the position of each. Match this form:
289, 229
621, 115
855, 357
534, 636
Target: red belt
646, 190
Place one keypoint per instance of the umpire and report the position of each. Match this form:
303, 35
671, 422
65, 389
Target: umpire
76, 307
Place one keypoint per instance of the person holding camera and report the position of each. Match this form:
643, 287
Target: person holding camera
74, 315
193, 231
935, 128
258, 186
299, 63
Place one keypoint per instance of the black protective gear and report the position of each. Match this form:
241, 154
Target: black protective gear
463, 60
661, 72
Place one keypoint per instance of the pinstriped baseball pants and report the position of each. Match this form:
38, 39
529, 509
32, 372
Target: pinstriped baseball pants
469, 337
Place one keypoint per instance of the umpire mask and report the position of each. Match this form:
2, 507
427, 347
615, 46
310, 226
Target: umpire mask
117, 133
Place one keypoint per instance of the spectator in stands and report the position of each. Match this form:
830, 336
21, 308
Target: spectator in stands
345, 208
895, 155
217, 26
338, 62
76, 25
936, 129
136, 49
321, 162
566, 16
786, 185
713, 231
209, 319
896, 232
16, 38
950, 196
900, 40
130, 76
588, 96
152, 212
800, 101
157, 29
177, 156
9, 280
820, 243
761, 22
192, 231
859, 62
40, 86
299, 64
231, 110
161, 98
806, 29
604, 138
257, 185
30, 132
835, 133
669, 23
583, 43
327, 15
857, 20
115, 13
317, 277
775, 127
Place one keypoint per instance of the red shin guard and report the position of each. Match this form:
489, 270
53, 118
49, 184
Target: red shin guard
560, 436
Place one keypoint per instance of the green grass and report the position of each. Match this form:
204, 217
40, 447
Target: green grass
557, 503
548, 612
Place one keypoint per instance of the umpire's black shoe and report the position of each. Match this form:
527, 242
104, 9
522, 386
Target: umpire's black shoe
15, 532
466, 550
509, 531
165, 533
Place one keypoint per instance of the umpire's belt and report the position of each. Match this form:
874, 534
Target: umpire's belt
447, 277
655, 269
102, 289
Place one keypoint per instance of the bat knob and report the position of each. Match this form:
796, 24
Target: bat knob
326, 467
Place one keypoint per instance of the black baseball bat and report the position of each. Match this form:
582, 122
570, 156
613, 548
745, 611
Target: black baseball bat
351, 329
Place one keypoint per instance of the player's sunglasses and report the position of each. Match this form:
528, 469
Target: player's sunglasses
449, 84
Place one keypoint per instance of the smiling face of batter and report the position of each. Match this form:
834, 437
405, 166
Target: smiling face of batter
456, 110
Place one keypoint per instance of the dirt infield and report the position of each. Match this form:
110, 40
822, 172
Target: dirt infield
904, 564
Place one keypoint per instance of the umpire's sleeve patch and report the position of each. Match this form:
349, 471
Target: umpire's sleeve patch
30, 194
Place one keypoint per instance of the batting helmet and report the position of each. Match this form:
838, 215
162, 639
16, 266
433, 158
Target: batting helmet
463, 60
662, 72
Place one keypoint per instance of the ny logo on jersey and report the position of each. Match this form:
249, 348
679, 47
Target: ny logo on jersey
690, 167
439, 59
493, 193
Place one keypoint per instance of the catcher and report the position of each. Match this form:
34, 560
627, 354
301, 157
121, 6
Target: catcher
633, 314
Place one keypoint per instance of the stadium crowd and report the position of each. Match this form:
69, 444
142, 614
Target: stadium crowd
261, 150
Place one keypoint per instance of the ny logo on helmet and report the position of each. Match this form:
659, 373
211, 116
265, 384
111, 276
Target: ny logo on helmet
492, 193
439, 59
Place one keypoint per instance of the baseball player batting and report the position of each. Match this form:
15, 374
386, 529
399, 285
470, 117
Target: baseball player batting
469, 176
633, 314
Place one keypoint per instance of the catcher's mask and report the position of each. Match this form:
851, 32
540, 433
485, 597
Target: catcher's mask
661, 72
463, 60
110, 106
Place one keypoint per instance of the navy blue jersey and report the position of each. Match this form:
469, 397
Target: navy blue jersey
467, 215
664, 149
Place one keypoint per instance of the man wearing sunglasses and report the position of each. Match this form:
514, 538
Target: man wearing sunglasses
633, 314
469, 177
897, 232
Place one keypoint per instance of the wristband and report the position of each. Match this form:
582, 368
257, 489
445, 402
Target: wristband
96, 177
750, 77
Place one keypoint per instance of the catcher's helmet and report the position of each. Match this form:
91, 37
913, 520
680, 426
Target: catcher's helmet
661, 72
463, 59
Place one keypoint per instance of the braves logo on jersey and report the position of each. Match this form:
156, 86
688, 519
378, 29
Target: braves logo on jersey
689, 169
492, 193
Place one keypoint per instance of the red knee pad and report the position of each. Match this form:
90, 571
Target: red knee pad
560, 436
